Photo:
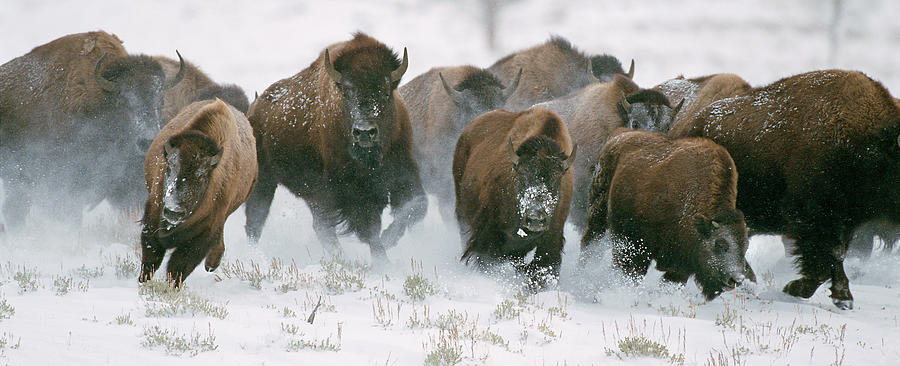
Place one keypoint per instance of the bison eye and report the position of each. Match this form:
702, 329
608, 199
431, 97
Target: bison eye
721, 246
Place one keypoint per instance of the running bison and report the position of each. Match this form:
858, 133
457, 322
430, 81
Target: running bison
551, 70
200, 168
441, 103
513, 189
697, 93
76, 117
338, 136
818, 155
196, 86
673, 202
593, 113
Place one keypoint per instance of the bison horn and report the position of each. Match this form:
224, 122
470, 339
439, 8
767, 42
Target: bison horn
180, 75
454, 94
571, 159
625, 103
509, 90
512, 152
594, 77
103, 82
677, 108
329, 68
630, 73
398, 73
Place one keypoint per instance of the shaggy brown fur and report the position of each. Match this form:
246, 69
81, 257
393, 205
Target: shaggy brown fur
438, 120
550, 70
75, 124
700, 92
818, 155
303, 127
669, 201
196, 86
225, 129
488, 186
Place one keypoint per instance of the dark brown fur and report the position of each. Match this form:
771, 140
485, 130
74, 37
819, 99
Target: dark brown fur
304, 143
649, 190
550, 70
201, 234
196, 86
700, 92
67, 142
486, 193
438, 122
818, 156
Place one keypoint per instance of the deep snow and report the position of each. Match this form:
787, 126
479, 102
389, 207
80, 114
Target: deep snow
72, 312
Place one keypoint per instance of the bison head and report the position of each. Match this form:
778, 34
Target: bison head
720, 255
647, 110
477, 93
134, 87
367, 78
190, 160
539, 166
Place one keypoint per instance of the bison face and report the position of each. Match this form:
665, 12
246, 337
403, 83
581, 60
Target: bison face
721, 261
190, 160
539, 166
478, 93
367, 83
648, 110
134, 86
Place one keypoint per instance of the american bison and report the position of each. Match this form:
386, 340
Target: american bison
673, 202
513, 189
76, 116
697, 93
196, 86
199, 169
818, 155
441, 103
551, 70
338, 135
593, 113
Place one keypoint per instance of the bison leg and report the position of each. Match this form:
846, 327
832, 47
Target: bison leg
820, 258
258, 204
409, 213
187, 257
324, 228
676, 277
632, 259
152, 253
407, 199
368, 229
214, 258
547, 258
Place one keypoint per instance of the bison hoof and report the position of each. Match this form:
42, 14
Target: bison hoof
801, 288
843, 304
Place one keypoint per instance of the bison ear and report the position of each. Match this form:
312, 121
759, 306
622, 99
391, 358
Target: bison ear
704, 225
213, 160
512, 152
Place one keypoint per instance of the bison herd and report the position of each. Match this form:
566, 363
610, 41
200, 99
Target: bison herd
680, 174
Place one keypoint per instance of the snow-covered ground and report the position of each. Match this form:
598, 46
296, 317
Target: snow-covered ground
69, 296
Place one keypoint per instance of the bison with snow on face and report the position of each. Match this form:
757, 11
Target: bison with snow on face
441, 103
552, 70
200, 168
196, 86
593, 113
337, 134
818, 155
697, 93
513, 189
76, 117
673, 202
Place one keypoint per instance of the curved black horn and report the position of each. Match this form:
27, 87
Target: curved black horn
511, 88
677, 108
103, 82
329, 68
454, 94
398, 73
625, 103
571, 159
594, 77
180, 75
630, 73
512, 152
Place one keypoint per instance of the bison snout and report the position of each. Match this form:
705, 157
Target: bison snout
734, 281
173, 215
536, 220
365, 137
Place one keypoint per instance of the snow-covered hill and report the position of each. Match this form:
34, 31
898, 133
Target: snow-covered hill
69, 296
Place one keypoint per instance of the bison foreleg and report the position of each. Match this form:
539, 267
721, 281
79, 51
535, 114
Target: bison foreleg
152, 253
631, 258
258, 204
188, 256
214, 258
544, 268
409, 213
821, 258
